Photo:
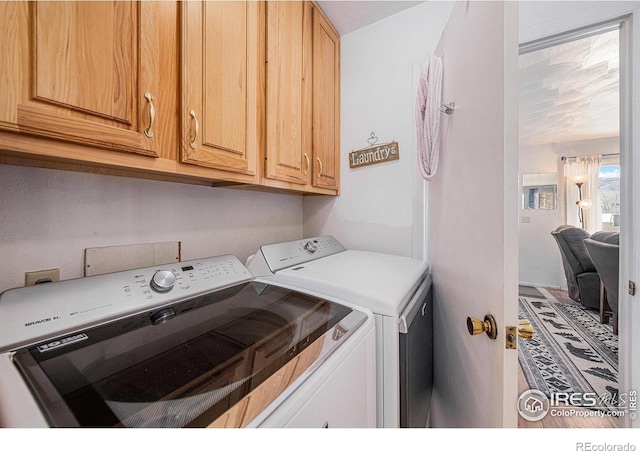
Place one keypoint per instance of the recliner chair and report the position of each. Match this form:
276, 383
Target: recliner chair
583, 281
604, 249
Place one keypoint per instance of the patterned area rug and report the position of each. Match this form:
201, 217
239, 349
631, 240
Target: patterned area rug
571, 352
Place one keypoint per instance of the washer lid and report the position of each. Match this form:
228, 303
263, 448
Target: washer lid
188, 371
382, 283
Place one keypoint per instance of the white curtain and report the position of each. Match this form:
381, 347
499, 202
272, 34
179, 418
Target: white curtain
589, 167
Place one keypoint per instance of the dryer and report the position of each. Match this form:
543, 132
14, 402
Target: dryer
398, 290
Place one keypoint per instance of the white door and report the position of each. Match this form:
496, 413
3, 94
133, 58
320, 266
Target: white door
473, 218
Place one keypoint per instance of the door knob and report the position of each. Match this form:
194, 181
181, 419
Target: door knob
525, 329
476, 326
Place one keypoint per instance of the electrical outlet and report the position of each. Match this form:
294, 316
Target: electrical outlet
526, 219
43, 276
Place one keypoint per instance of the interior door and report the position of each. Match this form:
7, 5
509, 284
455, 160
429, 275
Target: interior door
473, 218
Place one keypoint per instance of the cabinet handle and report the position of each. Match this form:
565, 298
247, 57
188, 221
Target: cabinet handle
152, 115
306, 157
193, 144
320, 163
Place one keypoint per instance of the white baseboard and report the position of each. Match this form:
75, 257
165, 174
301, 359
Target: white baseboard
541, 285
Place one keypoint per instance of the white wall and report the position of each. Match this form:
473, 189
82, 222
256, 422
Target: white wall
381, 207
48, 218
540, 260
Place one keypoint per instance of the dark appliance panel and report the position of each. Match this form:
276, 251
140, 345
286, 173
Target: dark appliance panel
179, 365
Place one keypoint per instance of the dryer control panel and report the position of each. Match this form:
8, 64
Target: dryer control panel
279, 256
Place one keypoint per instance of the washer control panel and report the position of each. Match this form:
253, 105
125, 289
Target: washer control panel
172, 282
290, 253
29, 314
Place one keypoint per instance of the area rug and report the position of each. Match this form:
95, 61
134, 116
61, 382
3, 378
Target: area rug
571, 352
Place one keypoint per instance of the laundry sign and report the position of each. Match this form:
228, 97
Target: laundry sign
374, 154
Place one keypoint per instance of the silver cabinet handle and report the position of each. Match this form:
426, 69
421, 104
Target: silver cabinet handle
152, 115
306, 157
320, 163
193, 144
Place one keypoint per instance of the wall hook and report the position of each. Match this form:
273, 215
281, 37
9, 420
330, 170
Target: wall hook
372, 139
448, 108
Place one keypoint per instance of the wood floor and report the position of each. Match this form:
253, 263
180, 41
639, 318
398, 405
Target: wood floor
561, 296
573, 421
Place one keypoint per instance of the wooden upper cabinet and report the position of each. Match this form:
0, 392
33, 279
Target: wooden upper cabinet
84, 78
218, 92
222, 67
326, 103
288, 91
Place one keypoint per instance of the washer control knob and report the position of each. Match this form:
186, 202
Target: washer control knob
163, 281
311, 247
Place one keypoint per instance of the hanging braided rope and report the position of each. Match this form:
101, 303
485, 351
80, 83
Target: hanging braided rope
428, 116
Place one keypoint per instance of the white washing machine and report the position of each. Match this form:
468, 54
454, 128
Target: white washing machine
399, 293
186, 344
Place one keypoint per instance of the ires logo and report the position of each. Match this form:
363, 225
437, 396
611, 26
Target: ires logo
574, 399
590, 400
533, 405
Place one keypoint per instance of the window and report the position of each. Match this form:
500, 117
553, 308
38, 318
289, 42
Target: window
609, 194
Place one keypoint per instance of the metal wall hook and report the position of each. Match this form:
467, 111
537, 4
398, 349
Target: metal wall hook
448, 108
373, 139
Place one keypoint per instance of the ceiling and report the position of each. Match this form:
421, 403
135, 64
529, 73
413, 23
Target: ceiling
570, 92
348, 16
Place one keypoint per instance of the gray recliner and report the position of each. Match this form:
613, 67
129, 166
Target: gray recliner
583, 282
604, 249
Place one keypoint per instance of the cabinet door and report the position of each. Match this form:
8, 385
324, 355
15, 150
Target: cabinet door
326, 103
288, 98
222, 69
83, 77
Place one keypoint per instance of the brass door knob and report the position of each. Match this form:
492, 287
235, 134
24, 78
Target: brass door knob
476, 326
525, 329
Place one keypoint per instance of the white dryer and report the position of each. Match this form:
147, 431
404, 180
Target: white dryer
398, 290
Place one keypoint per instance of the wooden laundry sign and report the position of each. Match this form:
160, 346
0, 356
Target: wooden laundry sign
375, 154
